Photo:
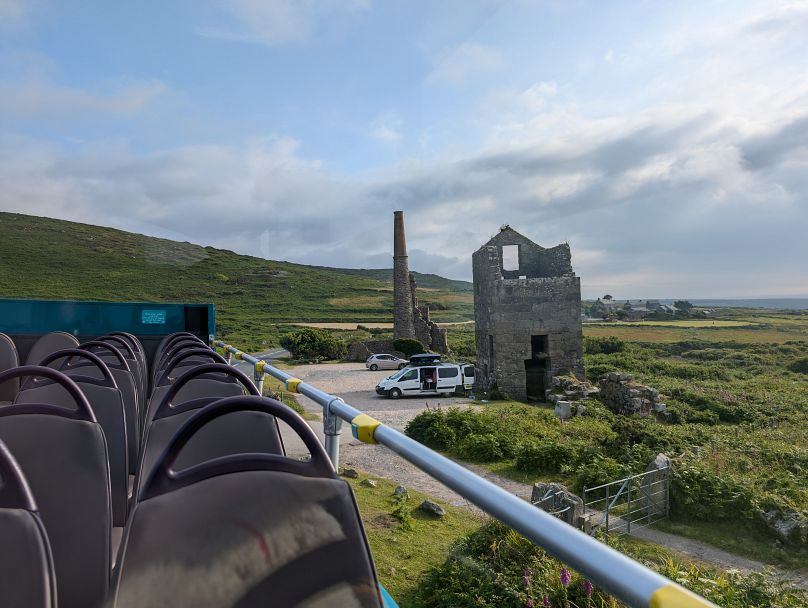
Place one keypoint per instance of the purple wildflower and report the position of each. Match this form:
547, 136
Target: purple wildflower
587, 588
566, 577
529, 603
546, 602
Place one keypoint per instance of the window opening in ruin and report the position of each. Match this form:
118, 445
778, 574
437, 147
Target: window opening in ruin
538, 346
510, 257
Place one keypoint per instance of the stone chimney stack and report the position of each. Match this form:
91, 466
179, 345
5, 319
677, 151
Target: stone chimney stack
403, 322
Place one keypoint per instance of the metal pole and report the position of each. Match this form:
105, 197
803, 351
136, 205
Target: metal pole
607, 509
332, 428
258, 376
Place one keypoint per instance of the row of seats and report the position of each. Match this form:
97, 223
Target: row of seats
183, 497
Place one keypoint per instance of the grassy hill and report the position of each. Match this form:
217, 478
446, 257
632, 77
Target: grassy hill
426, 281
54, 259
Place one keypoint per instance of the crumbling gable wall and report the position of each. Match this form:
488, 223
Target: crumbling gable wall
528, 320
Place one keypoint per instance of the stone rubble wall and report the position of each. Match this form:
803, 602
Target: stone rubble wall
621, 394
569, 395
426, 331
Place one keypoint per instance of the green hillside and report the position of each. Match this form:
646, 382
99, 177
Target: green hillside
426, 281
54, 259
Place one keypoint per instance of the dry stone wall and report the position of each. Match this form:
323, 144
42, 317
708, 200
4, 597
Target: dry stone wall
621, 394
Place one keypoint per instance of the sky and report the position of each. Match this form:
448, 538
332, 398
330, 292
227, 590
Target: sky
666, 141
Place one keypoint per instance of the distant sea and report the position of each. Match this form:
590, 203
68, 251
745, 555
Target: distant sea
789, 303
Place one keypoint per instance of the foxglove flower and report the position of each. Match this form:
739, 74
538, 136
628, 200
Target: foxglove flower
565, 577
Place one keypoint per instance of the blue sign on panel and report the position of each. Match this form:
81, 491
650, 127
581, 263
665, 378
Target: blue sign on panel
153, 317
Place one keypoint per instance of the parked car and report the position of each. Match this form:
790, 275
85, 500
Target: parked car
375, 362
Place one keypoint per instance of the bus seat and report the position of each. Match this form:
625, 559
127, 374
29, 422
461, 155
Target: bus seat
288, 532
63, 454
107, 403
8, 359
240, 432
50, 343
26, 564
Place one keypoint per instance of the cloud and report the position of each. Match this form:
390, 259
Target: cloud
789, 19
37, 97
13, 12
465, 62
652, 210
387, 128
275, 22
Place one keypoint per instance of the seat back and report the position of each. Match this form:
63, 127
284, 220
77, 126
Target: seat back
186, 358
26, 563
50, 343
246, 530
171, 351
107, 403
239, 432
140, 353
63, 454
132, 360
8, 359
119, 368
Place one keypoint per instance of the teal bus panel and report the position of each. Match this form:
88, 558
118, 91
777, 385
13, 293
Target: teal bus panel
36, 317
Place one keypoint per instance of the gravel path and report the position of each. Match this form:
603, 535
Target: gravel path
355, 385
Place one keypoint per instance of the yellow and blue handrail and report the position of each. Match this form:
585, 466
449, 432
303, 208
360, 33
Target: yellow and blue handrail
618, 574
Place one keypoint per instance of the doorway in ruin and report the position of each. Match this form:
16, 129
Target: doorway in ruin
536, 368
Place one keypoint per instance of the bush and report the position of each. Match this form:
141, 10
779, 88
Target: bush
494, 394
430, 428
605, 345
484, 448
313, 343
495, 566
546, 457
596, 471
408, 346
799, 366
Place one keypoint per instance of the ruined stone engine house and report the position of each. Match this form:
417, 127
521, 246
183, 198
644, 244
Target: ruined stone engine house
527, 309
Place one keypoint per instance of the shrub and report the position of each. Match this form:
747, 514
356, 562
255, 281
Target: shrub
313, 343
408, 346
430, 428
596, 471
605, 345
547, 457
494, 394
495, 566
800, 366
483, 448
699, 493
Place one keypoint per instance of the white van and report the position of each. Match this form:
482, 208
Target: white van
441, 379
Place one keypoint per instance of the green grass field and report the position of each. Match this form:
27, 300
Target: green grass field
53, 259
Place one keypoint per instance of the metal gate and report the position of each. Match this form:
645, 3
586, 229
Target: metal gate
631, 502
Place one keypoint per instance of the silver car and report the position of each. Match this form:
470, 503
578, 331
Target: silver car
375, 362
